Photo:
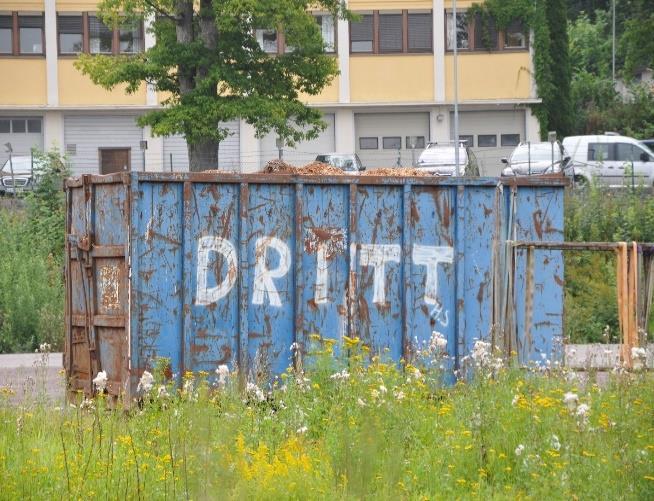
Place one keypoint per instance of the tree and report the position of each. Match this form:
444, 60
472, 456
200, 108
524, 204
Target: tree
208, 62
559, 108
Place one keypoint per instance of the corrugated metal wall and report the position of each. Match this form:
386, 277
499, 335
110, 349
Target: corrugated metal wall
86, 133
229, 155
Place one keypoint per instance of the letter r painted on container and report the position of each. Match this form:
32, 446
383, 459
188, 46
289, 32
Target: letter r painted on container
207, 295
263, 276
431, 256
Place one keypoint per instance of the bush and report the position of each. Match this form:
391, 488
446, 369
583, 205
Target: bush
600, 215
31, 268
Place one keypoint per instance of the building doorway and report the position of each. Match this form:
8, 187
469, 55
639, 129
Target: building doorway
114, 160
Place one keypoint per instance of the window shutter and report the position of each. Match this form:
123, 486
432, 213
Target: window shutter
6, 22
361, 34
420, 32
97, 27
70, 24
30, 21
390, 33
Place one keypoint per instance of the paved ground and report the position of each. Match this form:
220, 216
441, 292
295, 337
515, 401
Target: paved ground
32, 376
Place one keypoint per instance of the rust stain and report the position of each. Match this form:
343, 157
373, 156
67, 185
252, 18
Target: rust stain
311, 303
487, 211
364, 314
414, 214
559, 280
332, 239
109, 283
199, 348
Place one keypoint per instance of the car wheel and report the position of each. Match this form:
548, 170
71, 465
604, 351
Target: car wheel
580, 183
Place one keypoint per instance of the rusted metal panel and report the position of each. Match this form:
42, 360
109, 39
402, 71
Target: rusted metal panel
207, 270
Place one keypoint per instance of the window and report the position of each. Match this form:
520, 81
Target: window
327, 29
487, 140
390, 33
510, 139
420, 32
625, 152
70, 34
470, 140
34, 125
6, 37
361, 34
514, 37
18, 125
485, 33
418, 142
462, 35
30, 30
5, 126
599, 152
267, 41
368, 143
100, 37
130, 38
392, 143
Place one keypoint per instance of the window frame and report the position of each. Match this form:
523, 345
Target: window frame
376, 33
376, 138
506, 135
282, 48
398, 140
84, 33
15, 35
479, 145
501, 37
316, 15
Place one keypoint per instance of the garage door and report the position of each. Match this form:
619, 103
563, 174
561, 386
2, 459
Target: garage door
303, 152
23, 133
390, 139
86, 135
176, 151
492, 134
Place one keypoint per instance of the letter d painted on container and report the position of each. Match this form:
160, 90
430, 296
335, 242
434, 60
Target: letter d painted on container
207, 295
263, 276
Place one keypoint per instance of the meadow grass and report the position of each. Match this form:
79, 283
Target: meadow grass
343, 429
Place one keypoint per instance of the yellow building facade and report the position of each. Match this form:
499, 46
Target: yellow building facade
394, 93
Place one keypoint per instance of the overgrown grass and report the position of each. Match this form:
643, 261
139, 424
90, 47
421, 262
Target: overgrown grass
343, 430
600, 215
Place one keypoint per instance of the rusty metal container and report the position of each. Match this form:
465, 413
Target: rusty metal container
209, 269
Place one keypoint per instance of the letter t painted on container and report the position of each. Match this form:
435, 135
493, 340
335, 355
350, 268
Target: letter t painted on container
377, 255
430, 256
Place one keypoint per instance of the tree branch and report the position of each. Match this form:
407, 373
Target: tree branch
159, 11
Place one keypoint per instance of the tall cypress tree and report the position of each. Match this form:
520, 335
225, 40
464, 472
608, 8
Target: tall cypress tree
559, 104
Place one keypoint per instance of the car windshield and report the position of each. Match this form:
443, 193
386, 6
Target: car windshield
444, 155
648, 148
19, 164
541, 152
346, 162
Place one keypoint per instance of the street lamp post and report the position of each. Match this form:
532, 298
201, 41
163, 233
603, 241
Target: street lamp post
456, 89
10, 150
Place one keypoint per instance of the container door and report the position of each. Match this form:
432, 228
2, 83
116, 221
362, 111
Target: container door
96, 283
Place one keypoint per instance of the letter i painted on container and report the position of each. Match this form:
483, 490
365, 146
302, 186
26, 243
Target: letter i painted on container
206, 245
377, 255
263, 276
430, 256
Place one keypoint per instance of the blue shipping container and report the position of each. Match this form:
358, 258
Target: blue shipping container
210, 269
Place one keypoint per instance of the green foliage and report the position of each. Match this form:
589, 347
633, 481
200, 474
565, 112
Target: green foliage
637, 42
374, 431
600, 215
551, 64
31, 268
207, 58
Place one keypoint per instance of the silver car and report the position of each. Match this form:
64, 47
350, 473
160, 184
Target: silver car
534, 159
18, 175
440, 159
349, 163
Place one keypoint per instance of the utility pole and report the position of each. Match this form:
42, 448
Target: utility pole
456, 89
613, 46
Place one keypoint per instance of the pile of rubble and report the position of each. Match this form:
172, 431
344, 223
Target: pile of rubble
322, 169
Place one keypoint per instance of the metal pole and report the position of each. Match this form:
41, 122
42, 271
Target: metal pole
552, 166
613, 46
456, 89
13, 179
529, 156
171, 162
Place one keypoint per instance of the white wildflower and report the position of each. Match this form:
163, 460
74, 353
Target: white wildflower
382, 389
399, 395
571, 400
146, 382
361, 402
162, 392
302, 430
555, 443
437, 343
516, 399
519, 450
45, 348
583, 410
639, 357
87, 405
223, 374
341, 376
100, 381
256, 392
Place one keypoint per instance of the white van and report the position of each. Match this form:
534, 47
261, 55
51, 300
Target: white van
611, 159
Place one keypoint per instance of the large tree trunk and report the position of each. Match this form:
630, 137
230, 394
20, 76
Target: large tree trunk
203, 156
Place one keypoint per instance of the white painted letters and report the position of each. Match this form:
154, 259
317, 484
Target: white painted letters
263, 276
322, 277
377, 256
430, 256
206, 295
